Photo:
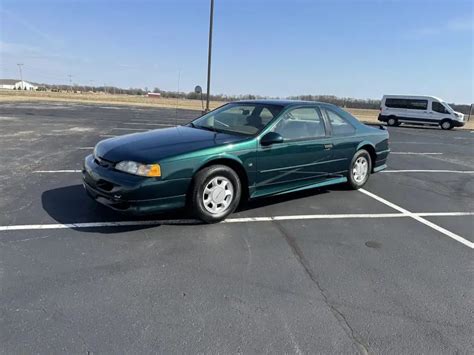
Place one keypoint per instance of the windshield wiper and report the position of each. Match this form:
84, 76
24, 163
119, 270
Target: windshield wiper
207, 128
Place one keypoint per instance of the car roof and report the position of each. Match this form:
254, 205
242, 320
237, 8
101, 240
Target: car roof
284, 103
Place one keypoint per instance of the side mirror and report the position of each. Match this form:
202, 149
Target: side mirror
271, 138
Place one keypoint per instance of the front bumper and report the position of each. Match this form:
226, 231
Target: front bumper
458, 123
129, 193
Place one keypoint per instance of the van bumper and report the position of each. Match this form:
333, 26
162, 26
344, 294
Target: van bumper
382, 118
458, 123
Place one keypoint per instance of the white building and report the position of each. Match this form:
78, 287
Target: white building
13, 84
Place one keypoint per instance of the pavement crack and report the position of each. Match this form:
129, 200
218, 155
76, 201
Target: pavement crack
360, 343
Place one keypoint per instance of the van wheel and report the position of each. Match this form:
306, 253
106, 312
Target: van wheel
446, 124
392, 121
215, 193
359, 170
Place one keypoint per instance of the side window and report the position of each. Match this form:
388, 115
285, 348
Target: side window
418, 104
438, 107
412, 104
340, 127
301, 123
396, 103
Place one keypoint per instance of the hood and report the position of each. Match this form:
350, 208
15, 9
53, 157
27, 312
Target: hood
152, 146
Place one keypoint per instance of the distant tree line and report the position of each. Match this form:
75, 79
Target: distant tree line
347, 102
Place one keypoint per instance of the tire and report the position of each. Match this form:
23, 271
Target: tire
209, 194
392, 121
357, 179
446, 124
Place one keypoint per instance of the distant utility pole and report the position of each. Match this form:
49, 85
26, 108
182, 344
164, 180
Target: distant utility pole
21, 74
105, 88
211, 19
70, 81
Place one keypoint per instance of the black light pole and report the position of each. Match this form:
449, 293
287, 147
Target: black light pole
209, 56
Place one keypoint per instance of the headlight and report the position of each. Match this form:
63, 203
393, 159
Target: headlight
131, 167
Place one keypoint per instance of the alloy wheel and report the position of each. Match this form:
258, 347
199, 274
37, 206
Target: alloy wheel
218, 195
360, 169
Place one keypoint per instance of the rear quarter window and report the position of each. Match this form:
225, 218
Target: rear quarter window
339, 125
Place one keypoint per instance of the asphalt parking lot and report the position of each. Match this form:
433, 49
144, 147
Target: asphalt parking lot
388, 269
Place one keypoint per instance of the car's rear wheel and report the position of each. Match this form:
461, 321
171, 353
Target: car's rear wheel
215, 193
446, 124
392, 121
360, 168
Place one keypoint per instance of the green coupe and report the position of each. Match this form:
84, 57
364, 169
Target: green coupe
242, 150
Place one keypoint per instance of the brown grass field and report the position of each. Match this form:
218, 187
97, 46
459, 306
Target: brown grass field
364, 115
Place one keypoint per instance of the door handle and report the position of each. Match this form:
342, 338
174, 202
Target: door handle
328, 146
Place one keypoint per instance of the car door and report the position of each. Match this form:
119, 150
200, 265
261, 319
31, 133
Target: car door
344, 142
301, 158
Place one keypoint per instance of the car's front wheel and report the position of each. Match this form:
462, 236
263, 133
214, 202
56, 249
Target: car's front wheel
360, 168
215, 193
446, 124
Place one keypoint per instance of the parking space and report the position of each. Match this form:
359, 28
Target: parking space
330, 270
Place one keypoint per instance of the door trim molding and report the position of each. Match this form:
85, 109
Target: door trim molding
302, 165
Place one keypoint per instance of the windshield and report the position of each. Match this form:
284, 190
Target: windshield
238, 118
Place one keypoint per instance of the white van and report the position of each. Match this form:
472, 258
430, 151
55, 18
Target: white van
396, 109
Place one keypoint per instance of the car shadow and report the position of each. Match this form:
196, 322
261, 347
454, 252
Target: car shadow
71, 205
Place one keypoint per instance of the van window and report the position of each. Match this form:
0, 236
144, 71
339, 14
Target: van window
438, 107
411, 104
418, 104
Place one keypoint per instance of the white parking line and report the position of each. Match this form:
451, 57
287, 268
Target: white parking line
414, 153
229, 220
108, 135
430, 171
56, 171
85, 148
420, 219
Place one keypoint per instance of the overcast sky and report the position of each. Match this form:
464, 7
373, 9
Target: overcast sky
361, 49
